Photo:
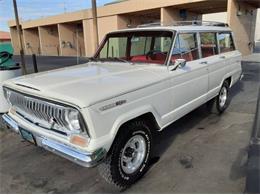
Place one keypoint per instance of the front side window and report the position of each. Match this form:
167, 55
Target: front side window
208, 44
226, 43
136, 46
186, 47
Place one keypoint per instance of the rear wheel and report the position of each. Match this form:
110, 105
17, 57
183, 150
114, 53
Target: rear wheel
129, 155
220, 103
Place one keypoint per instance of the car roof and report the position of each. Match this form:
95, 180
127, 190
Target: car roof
180, 28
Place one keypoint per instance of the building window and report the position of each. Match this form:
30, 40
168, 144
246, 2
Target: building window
208, 44
226, 43
186, 47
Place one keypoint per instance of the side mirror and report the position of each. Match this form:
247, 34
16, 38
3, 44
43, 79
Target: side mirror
179, 63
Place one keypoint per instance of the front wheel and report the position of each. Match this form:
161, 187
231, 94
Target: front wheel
220, 103
129, 156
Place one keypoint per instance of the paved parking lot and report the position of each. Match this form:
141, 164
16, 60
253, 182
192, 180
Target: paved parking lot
200, 153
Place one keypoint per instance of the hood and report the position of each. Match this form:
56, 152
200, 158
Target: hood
87, 84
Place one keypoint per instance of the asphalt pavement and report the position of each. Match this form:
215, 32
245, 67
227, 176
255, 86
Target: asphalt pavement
200, 153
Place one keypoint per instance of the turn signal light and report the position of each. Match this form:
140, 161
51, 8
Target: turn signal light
79, 140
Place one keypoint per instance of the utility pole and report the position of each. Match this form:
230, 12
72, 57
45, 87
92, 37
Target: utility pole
19, 31
95, 24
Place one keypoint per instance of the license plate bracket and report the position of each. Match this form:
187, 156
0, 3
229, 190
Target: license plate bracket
28, 136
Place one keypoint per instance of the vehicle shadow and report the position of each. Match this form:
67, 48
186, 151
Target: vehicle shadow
165, 138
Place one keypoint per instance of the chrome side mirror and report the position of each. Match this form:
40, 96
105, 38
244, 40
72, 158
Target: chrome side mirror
179, 63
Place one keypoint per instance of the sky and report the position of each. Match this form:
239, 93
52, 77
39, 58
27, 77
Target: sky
33, 9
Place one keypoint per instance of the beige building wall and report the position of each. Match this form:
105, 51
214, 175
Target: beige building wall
242, 19
88, 37
49, 40
171, 14
71, 39
57, 33
31, 41
15, 40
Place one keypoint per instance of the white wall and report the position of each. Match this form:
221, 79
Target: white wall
217, 17
257, 28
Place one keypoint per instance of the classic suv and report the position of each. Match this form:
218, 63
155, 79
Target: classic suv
139, 81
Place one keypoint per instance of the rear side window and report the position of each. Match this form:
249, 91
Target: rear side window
186, 47
208, 44
226, 43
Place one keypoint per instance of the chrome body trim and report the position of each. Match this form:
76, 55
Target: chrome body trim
10, 123
85, 159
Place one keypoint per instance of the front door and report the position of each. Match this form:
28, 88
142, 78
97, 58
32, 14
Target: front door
189, 84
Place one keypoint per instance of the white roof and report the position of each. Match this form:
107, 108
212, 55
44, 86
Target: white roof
179, 28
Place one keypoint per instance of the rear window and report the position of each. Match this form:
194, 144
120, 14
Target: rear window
226, 43
208, 44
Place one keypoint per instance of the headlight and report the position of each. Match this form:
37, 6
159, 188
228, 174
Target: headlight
7, 94
72, 118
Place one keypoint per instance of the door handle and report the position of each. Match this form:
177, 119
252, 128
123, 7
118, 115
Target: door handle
204, 62
222, 57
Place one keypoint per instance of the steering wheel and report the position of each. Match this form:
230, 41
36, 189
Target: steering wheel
150, 54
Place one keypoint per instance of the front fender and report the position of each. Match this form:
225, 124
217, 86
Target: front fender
132, 114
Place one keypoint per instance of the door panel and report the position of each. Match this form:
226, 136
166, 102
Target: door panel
217, 70
189, 88
189, 83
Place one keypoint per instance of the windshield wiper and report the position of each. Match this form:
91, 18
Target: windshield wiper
92, 59
118, 59
114, 59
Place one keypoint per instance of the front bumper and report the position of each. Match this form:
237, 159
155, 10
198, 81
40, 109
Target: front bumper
82, 158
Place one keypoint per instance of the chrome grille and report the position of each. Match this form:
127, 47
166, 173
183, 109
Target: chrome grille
40, 112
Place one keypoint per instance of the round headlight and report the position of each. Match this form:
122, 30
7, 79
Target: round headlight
7, 95
73, 119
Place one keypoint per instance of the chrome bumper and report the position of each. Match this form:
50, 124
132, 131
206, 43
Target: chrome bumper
82, 158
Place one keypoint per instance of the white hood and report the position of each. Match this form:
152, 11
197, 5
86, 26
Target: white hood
87, 84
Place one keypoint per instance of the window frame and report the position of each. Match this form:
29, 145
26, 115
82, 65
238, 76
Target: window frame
128, 49
217, 42
186, 32
232, 38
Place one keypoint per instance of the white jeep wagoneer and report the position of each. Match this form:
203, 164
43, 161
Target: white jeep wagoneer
140, 80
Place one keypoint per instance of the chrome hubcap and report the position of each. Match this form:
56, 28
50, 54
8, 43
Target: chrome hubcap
133, 154
223, 97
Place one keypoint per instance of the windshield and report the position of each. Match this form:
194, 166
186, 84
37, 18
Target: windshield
136, 46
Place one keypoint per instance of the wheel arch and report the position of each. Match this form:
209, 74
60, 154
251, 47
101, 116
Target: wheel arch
145, 115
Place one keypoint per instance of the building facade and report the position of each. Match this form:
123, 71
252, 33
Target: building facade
5, 37
71, 34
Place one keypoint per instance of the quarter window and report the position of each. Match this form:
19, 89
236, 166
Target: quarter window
186, 47
226, 43
208, 44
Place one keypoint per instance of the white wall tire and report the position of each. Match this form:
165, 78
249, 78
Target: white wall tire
113, 169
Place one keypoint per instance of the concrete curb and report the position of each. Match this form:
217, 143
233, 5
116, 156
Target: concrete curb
253, 165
